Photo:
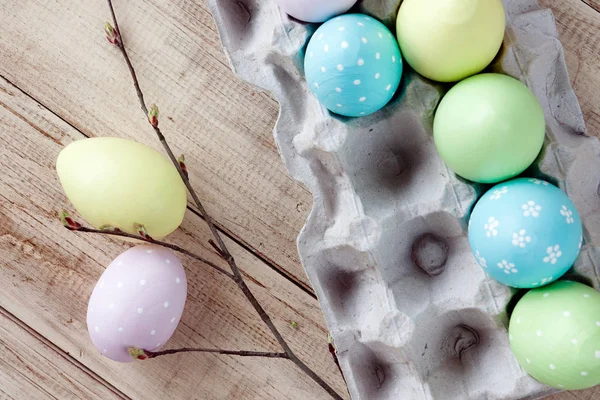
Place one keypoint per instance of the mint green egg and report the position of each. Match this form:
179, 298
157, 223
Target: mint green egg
554, 333
489, 128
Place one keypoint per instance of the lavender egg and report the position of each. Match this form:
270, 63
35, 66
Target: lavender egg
137, 302
315, 10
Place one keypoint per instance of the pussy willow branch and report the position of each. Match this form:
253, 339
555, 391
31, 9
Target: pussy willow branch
225, 254
158, 243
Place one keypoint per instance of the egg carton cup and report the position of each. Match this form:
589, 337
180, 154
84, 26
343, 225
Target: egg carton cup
385, 246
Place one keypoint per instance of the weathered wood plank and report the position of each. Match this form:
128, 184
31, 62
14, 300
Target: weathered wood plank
33, 368
57, 52
225, 129
589, 394
594, 4
579, 28
48, 274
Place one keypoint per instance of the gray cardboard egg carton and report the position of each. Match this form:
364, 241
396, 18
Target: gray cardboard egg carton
385, 246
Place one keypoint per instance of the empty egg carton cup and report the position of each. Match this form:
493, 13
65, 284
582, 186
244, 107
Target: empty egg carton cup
412, 314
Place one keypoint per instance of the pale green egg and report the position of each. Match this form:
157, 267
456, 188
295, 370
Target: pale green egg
119, 182
555, 335
489, 128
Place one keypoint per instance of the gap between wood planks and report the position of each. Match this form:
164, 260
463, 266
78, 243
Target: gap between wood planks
238, 240
4, 312
592, 4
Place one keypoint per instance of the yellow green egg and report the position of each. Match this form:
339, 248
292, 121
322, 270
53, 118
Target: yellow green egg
121, 183
449, 40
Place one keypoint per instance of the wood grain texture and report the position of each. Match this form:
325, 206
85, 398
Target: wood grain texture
595, 4
48, 274
589, 394
579, 29
58, 53
32, 368
54, 50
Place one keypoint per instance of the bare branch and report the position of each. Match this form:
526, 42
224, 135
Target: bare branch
141, 354
148, 239
226, 255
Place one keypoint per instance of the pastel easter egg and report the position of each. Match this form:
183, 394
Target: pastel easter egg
449, 40
555, 335
314, 10
489, 128
119, 182
353, 65
525, 233
137, 302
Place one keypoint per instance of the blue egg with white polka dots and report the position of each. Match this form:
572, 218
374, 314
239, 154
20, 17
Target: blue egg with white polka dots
353, 65
525, 233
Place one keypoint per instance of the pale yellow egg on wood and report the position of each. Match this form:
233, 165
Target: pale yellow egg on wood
119, 182
449, 40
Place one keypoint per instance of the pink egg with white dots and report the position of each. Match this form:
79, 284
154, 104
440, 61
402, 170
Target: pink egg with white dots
137, 302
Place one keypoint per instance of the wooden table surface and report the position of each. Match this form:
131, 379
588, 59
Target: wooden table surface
60, 81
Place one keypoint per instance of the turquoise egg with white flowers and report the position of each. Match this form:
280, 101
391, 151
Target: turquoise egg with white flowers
353, 65
525, 233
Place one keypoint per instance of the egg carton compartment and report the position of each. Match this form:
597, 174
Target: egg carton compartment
350, 280
385, 245
464, 353
426, 263
387, 169
378, 371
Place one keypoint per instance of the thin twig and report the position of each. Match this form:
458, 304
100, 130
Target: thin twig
217, 249
225, 254
159, 243
241, 353
121, 46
